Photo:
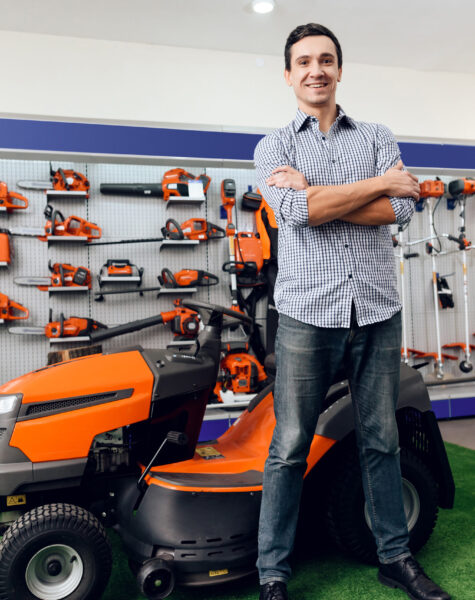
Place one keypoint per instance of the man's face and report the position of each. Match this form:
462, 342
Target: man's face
314, 72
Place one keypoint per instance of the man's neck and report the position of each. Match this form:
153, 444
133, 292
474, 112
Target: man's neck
326, 115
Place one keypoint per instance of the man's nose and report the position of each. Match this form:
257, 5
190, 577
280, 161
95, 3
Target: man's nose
315, 68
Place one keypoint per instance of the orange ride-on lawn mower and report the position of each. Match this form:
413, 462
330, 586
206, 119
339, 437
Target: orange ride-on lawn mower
111, 439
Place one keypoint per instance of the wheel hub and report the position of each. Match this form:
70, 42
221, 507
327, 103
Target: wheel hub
412, 505
54, 572
54, 568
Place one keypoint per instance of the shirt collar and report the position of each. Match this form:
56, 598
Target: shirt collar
302, 118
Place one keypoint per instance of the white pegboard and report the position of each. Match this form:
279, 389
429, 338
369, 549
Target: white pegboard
421, 329
120, 218
123, 217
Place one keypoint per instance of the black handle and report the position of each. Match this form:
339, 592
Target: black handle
177, 437
63, 177
98, 336
132, 189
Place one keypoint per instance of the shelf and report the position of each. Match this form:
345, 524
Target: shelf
179, 290
60, 195
120, 279
65, 340
177, 243
185, 201
77, 288
70, 239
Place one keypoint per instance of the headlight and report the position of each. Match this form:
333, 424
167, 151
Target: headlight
8, 403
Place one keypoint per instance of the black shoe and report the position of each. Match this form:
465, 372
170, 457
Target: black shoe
407, 574
275, 590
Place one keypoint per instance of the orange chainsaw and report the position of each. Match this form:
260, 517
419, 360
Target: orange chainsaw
62, 180
192, 229
11, 311
11, 201
63, 277
175, 183
74, 327
57, 227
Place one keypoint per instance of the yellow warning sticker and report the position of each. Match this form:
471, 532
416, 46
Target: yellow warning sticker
16, 500
220, 572
208, 452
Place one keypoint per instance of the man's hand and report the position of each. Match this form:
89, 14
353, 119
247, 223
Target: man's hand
401, 183
287, 177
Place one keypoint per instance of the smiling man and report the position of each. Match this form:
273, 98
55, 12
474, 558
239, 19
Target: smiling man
335, 186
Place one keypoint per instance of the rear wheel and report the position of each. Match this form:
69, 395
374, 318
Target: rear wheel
54, 552
347, 514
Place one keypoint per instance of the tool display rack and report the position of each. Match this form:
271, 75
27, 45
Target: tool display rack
122, 217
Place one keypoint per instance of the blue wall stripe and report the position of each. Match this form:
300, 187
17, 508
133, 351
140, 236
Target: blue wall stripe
57, 136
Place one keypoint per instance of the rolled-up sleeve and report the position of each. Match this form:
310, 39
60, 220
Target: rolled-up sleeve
289, 205
388, 154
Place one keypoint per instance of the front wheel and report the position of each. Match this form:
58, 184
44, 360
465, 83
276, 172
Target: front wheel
55, 552
347, 514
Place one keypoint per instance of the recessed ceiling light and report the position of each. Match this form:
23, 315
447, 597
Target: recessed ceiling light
263, 6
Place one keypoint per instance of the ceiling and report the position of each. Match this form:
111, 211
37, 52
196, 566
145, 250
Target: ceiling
415, 34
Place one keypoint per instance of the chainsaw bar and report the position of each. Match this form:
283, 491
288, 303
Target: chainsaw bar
27, 330
32, 280
27, 231
38, 185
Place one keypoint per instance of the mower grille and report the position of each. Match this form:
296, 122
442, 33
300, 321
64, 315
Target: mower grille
58, 405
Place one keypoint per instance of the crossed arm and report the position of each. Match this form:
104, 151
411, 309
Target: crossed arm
379, 200
364, 202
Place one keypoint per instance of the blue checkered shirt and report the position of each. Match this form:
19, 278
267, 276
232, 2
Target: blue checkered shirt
323, 269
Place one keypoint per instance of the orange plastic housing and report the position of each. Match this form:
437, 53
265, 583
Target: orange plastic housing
243, 447
248, 248
70, 434
5, 250
432, 188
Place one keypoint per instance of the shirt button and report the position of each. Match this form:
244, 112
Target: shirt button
350, 276
333, 161
346, 245
323, 138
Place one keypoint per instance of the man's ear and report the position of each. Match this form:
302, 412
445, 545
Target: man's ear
339, 74
287, 77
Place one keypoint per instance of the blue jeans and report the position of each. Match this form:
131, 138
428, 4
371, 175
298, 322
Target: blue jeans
307, 359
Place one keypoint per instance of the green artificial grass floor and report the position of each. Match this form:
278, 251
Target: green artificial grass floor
448, 557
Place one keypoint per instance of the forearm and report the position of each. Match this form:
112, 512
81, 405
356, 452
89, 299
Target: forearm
327, 203
377, 212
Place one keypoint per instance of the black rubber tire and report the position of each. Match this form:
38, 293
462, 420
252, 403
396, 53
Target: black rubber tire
48, 525
345, 517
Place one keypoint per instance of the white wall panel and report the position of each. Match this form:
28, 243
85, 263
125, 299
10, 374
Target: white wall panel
73, 78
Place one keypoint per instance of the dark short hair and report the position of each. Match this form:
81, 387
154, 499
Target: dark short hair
303, 31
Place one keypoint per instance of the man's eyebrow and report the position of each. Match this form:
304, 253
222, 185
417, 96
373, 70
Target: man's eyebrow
322, 55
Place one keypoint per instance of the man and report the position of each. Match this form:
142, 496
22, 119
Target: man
335, 186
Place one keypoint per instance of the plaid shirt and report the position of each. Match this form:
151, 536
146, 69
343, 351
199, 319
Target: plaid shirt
323, 269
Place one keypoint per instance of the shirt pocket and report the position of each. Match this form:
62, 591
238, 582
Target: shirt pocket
355, 159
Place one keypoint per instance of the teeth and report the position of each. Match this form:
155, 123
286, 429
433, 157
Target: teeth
315, 85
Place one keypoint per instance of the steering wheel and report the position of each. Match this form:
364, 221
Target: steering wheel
199, 306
